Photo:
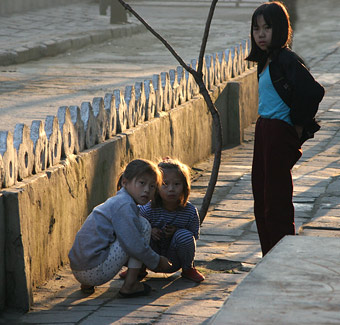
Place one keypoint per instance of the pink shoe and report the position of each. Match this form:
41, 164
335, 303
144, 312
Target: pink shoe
193, 275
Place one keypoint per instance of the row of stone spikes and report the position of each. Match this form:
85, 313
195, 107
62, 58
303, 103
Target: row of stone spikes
31, 150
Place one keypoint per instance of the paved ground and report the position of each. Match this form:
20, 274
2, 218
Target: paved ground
228, 248
296, 283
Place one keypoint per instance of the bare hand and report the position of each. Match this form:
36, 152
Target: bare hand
156, 234
169, 231
163, 265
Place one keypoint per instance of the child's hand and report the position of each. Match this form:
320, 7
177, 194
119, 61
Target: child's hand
163, 265
156, 234
169, 231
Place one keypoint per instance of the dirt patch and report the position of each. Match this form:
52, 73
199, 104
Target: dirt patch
223, 266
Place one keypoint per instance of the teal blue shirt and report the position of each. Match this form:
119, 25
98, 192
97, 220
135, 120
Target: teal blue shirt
270, 103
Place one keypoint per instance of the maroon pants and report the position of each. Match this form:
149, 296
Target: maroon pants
276, 150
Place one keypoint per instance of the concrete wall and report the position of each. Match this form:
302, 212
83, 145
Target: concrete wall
43, 212
237, 106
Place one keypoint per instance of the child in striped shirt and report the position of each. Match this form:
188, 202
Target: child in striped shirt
174, 220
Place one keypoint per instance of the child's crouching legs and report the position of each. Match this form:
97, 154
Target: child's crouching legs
182, 250
115, 260
184, 246
131, 285
105, 271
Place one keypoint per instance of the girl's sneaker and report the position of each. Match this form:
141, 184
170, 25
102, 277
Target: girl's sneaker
193, 275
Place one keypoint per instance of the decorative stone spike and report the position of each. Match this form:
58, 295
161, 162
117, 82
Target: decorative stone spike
235, 57
217, 70
24, 146
121, 108
205, 73
209, 62
157, 84
240, 60
233, 65
223, 66
229, 64
140, 102
174, 87
195, 88
167, 91
130, 100
250, 63
90, 124
101, 119
67, 131
9, 159
245, 54
39, 139
54, 140
150, 100
79, 132
181, 79
190, 85
111, 115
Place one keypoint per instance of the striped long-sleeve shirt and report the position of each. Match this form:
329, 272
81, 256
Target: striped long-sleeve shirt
182, 218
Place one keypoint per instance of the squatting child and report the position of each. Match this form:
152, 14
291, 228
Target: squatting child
114, 234
174, 220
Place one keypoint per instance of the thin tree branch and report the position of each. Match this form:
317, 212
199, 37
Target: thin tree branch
198, 76
205, 36
217, 156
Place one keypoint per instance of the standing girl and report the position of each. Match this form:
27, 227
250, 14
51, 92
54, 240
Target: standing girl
288, 101
174, 221
114, 234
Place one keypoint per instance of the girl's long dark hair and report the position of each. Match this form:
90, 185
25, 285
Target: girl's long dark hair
276, 16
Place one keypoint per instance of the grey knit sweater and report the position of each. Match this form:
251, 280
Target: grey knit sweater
116, 219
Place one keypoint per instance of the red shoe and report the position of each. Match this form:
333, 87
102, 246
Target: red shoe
141, 275
193, 275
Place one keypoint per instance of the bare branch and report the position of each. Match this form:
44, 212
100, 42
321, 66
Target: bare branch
205, 36
217, 156
198, 76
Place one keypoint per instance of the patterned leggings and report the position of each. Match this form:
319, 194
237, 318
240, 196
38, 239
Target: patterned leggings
115, 260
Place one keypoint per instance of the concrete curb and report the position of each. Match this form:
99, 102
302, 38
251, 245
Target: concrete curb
59, 46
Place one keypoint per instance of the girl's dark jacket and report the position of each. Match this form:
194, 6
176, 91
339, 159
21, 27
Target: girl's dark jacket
297, 88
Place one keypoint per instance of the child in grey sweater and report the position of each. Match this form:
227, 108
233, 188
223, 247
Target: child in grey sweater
114, 234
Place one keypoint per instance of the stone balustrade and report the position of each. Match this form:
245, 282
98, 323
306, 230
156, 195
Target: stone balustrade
31, 150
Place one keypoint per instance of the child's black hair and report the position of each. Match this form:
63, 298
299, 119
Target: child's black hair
137, 168
276, 16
